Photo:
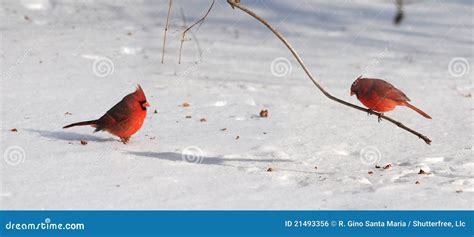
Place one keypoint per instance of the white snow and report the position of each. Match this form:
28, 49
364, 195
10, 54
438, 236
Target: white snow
68, 61
37, 4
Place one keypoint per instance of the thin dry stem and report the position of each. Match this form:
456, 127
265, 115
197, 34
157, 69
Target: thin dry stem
236, 3
195, 23
166, 30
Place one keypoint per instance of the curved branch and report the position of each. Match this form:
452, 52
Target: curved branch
195, 23
196, 40
236, 3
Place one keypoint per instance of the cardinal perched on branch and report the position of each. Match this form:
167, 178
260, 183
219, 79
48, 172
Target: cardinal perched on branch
381, 96
124, 119
238, 5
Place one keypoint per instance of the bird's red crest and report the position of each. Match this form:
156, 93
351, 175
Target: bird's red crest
357, 81
139, 94
354, 85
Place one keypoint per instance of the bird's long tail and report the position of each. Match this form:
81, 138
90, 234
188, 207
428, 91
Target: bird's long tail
91, 122
417, 110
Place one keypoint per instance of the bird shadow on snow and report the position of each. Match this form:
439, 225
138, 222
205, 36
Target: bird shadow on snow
69, 136
172, 156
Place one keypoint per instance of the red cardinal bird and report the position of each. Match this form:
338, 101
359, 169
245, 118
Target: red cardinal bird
124, 119
381, 96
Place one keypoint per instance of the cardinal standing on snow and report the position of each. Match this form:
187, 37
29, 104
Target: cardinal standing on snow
381, 96
124, 119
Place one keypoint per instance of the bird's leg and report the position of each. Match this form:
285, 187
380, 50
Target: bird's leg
380, 117
371, 111
125, 140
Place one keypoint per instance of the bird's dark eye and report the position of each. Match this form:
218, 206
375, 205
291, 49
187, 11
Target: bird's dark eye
142, 104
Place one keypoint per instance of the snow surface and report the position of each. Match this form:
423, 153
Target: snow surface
68, 61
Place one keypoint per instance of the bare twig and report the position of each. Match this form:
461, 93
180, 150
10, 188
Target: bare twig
195, 23
195, 39
399, 16
236, 3
166, 30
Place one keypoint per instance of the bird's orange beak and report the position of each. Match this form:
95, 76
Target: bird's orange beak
146, 104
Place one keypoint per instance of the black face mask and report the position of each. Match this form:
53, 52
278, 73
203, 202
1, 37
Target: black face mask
142, 104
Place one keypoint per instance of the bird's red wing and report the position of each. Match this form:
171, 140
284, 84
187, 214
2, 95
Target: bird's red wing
388, 91
104, 122
120, 112
117, 114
